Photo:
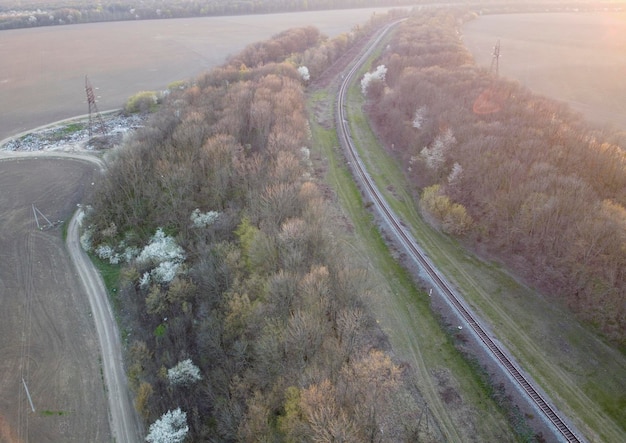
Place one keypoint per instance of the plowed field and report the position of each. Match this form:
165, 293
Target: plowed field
44, 80
578, 58
48, 337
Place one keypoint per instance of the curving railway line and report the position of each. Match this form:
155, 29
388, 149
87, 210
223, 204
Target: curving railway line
561, 429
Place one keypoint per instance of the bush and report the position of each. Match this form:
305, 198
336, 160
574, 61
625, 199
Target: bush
452, 217
143, 102
170, 428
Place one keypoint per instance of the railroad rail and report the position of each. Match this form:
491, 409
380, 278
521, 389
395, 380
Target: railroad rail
371, 191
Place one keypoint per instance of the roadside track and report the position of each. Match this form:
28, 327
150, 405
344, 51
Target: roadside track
561, 429
125, 425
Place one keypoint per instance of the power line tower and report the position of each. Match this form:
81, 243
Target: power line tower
495, 60
94, 114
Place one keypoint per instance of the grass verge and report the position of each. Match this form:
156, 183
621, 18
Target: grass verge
451, 387
111, 277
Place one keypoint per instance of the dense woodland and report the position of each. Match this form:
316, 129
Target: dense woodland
16, 14
516, 176
243, 315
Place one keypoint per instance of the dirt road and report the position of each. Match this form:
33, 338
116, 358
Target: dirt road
125, 424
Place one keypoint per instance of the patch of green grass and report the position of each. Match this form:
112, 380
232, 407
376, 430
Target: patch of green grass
48, 413
66, 130
71, 128
160, 330
111, 278
64, 227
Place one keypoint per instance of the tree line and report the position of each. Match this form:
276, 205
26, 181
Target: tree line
518, 177
242, 312
66, 12
63, 12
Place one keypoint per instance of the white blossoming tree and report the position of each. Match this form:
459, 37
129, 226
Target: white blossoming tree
378, 74
435, 155
170, 428
161, 248
164, 255
419, 117
455, 175
304, 73
184, 373
203, 219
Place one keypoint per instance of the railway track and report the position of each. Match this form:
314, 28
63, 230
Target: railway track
561, 429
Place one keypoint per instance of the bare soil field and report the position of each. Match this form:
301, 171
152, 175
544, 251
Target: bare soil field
42, 77
48, 335
578, 58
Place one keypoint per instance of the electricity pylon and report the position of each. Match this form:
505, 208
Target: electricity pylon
495, 60
94, 114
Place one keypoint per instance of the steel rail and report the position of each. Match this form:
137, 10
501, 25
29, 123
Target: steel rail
371, 191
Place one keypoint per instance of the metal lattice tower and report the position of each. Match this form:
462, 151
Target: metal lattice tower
495, 61
94, 114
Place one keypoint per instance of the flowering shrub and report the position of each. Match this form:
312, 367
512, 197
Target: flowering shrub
184, 373
130, 252
86, 240
164, 255
170, 428
304, 73
455, 175
306, 157
144, 281
202, 220
435, 156
165, 272
106, 252
161, 248
378, 74
113, 254
418, 117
